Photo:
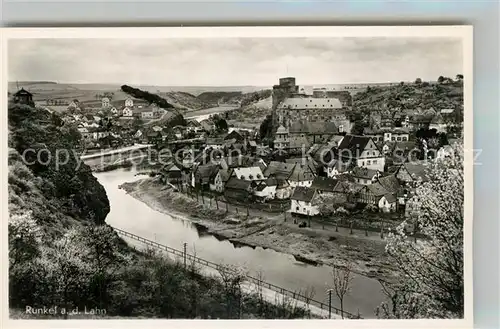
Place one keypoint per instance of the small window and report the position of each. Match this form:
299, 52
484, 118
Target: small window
297, 208
368, 162
374, 161
393, 138
404, 138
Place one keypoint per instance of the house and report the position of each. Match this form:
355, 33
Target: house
114, 111
364, 176
382, 193
410, 172
238, 189
281, 140
207, 125
239, 138
220, 180
202, 175
302, 201
360, 151
193, 125
438, 123
127, 112
273, 188
335, 187
301, 176
105, 102
171, 173
23, 96
129, 103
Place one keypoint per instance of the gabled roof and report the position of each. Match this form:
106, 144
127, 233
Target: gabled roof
22, 91
390, 183
300, 174
415, 169
354, 143
206, 172
391, 198
302, 193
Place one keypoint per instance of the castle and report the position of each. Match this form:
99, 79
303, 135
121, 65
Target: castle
317, 115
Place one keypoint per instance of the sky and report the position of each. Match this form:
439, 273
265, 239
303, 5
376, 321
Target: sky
233, 61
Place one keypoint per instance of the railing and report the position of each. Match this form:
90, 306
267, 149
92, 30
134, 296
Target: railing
283, 291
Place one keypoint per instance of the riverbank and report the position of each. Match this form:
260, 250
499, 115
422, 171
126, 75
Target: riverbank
270, 232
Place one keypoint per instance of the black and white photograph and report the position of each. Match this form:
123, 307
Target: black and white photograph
238, 173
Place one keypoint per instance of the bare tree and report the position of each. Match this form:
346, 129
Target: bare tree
342, 279
232, 279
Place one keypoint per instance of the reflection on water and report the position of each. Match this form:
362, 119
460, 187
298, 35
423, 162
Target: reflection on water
283, 270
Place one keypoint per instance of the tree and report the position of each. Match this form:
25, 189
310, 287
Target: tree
266, 127
459, 77
342, 279
418, 81
329, 203
402, 83
440, 79
431, 284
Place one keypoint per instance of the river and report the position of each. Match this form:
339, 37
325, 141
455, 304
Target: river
280, 269
200, 115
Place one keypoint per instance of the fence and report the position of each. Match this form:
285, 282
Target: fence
283, 291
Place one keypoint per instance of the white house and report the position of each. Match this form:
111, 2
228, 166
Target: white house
266, 190
129, 102
364, 176
105, 102
362, 152
114, 111
301, 201
387, 203
127, 112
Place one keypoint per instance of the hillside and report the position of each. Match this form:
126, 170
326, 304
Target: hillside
184, 101
254, 108
215, 97
411, 96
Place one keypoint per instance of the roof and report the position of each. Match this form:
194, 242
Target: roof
303, 162
238, 184
298, 143
302, 193
170, 167
249, 173
365, 173
354, 143
279, 169
22, 91
447, 111
324, 184
282, 130
313, 127
224, 175
252, 143
390, 183
415, 169
308, 103
206, 172
391, 198
300, 174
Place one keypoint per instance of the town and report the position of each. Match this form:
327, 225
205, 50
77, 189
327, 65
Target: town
316, 156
